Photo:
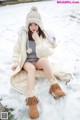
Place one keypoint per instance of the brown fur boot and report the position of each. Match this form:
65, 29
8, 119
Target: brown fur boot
56, 91
33, 111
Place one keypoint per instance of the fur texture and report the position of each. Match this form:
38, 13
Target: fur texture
31, 101
33, 110
56, 91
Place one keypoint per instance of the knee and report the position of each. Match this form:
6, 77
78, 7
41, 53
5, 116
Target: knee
43, 60
29, 67
32, 68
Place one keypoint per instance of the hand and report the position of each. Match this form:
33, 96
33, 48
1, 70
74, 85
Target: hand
13, 68
35, 36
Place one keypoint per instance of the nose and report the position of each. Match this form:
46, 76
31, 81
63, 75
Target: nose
33, 27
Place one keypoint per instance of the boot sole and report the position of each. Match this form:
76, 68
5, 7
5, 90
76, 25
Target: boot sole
56, 96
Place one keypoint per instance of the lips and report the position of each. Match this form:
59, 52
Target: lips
34, 30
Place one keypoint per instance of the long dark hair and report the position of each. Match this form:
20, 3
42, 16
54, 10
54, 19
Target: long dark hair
40, 33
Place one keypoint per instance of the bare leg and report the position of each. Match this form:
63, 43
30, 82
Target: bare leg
44, 64
31, 99
55, 89
30, 68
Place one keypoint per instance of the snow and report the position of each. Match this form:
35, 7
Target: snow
64, 22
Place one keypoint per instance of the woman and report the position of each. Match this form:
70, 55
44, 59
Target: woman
30, 54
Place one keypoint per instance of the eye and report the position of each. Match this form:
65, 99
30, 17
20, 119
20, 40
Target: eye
36, 24
30, 24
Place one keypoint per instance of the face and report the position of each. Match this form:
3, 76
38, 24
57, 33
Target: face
33, 27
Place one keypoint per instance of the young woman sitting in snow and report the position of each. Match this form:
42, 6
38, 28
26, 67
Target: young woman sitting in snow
31, 54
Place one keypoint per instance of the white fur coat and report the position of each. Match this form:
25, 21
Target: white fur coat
19, 76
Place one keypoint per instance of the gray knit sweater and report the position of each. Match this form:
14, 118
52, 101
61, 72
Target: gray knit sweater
32, 56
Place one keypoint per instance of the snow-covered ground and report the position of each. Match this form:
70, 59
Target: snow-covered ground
64, 21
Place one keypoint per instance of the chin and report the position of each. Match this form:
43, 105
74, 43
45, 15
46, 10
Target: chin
34, 31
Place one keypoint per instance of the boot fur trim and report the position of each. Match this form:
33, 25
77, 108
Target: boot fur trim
31, 101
